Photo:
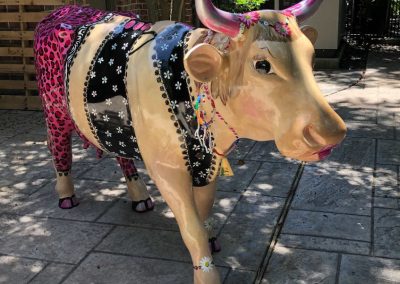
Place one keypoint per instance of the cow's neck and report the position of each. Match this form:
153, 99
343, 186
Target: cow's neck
223, 122
223, 127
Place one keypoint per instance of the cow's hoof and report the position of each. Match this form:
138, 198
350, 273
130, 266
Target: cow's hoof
142, 206
68, 202
214, 245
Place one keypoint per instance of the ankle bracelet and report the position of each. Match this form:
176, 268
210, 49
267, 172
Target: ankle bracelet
206, 264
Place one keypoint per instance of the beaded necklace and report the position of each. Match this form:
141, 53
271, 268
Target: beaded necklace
200, 114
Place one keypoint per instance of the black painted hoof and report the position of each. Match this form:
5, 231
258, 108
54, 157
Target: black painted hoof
68, 202
215, 246
142, 206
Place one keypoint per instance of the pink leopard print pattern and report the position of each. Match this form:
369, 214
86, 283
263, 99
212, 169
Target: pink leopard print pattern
53, 38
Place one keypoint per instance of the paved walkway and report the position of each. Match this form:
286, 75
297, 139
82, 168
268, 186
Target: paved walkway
278, 221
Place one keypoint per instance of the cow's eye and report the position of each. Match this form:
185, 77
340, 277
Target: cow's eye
263, 66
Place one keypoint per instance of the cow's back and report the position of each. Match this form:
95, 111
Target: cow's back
54, 36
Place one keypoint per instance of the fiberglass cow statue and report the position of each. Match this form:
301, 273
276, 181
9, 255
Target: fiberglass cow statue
179, 98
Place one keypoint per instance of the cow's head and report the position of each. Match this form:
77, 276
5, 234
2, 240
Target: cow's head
265, 77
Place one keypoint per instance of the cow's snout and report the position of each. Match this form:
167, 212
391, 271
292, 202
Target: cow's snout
322, 138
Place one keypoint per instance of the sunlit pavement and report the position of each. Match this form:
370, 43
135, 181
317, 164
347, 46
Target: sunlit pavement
278, 221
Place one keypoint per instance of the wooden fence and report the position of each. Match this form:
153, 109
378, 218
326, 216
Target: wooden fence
18, 19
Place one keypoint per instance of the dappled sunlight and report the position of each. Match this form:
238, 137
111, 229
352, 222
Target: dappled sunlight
392, 275
330, 213
112, 192
280, 249
14, 269
225, 204
334, 81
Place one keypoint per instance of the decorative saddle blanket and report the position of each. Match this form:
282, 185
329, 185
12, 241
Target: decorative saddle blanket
175, 87
107, 104
106, 101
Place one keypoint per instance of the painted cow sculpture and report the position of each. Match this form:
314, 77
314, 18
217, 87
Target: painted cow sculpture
178, 98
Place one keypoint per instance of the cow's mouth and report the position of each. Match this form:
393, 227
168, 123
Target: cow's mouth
325, 152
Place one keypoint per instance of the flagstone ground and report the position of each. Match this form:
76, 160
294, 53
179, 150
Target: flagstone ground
279, 221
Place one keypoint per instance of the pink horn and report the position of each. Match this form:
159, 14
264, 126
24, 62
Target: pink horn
304, 9
216, 19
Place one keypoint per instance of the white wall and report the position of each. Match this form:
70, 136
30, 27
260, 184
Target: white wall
326, 20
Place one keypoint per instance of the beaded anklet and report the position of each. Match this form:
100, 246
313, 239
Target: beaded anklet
206, 264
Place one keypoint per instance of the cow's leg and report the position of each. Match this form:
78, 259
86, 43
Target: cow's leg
137, 190
59, 131
204, 198
175, 186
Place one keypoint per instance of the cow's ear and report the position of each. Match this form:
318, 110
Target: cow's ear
311, 33
203, 62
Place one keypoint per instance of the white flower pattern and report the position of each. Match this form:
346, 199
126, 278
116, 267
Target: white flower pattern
167, 75
174, 104
183, 75
173, 57
124, 46
164, 47
121, 114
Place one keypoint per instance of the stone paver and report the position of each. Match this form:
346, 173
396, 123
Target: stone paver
242, 149
336, 190
387, 233
18, 270
369, 130
386, 181
301, 266
389, 152
273, 179
267, 151
351, 227
162, 217
46, 239
95, 198
324, 244
390, 203
145, 243
107, 268
240, 276
355, 153
341, 225
369, 270
248, 231
52, 273
243, 176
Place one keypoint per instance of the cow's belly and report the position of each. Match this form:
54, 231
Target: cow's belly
95, 86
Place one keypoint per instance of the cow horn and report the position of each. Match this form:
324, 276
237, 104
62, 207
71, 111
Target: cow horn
216, 19
304, 9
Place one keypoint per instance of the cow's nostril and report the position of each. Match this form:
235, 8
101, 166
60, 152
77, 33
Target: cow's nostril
330, 136
312, 137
